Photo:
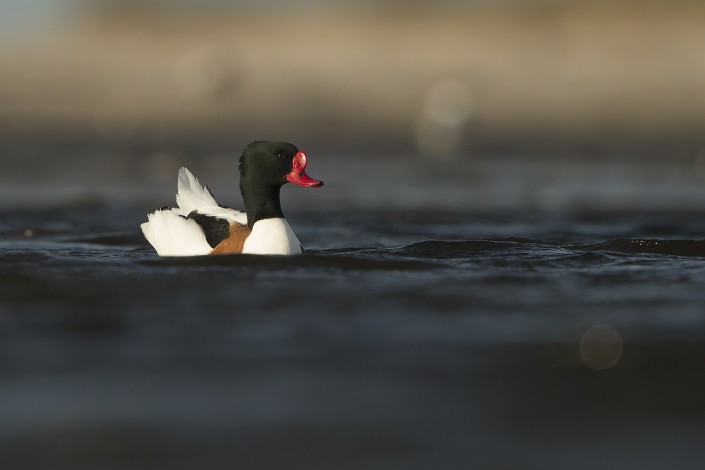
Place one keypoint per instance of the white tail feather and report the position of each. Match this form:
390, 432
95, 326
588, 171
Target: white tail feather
173, 235
191, 195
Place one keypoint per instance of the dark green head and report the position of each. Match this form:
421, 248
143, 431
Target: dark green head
267, 163
264, 168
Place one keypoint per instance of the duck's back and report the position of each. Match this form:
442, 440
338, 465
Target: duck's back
194, 228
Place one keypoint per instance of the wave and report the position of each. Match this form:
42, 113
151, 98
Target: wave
424, 255
358, 260
441, 249
691, 248
432, 253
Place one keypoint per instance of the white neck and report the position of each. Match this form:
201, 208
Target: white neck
272, 237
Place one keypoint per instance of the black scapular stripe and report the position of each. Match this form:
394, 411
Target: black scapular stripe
215, 229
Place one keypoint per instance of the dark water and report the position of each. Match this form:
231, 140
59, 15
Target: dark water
402, 339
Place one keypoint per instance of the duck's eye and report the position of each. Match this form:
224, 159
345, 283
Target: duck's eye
280, 155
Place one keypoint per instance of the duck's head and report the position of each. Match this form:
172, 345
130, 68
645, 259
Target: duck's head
275, 164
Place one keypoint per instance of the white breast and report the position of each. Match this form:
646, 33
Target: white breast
272, 237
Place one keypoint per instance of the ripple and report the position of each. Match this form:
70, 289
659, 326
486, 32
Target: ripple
692, 248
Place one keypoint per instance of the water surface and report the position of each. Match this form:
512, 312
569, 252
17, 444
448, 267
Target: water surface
401, 339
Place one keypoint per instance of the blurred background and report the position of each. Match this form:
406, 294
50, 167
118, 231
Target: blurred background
506, 261
519, 99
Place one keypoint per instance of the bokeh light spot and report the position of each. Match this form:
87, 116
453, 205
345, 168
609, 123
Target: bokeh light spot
601, 347
446, 109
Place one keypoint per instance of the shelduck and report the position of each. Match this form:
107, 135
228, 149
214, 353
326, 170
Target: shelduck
200, 226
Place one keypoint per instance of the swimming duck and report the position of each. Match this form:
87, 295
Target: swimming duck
200, 226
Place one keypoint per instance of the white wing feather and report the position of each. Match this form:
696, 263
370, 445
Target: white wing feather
192, 196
